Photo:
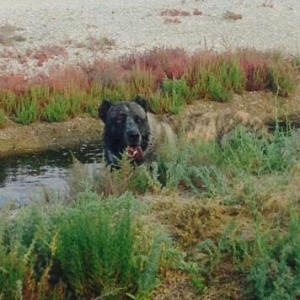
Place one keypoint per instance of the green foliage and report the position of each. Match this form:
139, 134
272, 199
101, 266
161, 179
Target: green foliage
27, 112
3, 119
92, 248
214, 89
57, 110
172, 97
232, 76
221, 81
275, 269
8, 101
102, 250
245, 152
192, 167
280, 82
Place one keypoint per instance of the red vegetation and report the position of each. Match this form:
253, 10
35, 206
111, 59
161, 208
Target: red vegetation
174, 13
45, 53
145, 73
197, 12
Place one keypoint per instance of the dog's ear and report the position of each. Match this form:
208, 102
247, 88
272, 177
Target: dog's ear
103, 109
142, 102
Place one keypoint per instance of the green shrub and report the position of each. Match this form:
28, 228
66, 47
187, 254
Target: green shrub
28, 112
9, 102
275, 262
57, 110
213, 88
90, 248
190, 166
246, 152
3, 119
280, 81
232, 77
176, 92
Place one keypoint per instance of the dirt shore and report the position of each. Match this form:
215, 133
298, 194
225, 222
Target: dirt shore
38, 137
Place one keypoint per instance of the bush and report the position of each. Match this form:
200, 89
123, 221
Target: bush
90, 248
27, 112
245, 152
57, 110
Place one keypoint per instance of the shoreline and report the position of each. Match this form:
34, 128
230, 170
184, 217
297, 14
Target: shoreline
16, 139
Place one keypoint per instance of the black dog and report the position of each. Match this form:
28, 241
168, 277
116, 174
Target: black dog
126, 129
131, 128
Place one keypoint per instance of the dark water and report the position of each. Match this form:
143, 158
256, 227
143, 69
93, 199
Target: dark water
24, 177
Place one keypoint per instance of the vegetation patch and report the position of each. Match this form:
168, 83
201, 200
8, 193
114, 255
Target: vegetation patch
169, 78
215, 219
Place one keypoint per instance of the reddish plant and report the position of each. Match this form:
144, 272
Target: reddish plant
175, 13
45, 53
16, 83
105, 72
255, 65
68, 79
162, 62
197, 12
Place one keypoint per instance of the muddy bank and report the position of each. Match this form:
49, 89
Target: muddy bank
39, 137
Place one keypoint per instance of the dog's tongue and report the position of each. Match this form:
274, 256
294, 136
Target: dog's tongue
135, 152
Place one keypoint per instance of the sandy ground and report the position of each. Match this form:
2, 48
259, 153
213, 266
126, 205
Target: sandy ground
80, 30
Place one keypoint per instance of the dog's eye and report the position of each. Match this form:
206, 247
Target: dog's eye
137, 120
120, 119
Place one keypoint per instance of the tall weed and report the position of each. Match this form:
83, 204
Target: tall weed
89, 248
27, 112
274, 272
57, 110
245, 152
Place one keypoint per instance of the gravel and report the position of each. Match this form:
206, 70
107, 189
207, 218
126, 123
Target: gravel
76, 31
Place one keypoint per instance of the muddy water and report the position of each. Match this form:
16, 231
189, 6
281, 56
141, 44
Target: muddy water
27, 177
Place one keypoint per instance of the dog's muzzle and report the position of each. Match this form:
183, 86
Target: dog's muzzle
134, 149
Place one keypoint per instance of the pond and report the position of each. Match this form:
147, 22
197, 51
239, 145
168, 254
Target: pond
24, 177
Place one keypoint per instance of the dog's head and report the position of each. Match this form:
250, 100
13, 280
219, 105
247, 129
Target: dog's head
126, 129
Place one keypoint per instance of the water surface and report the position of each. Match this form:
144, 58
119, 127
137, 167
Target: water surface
24, 177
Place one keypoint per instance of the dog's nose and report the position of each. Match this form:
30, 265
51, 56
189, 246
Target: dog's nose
133, 135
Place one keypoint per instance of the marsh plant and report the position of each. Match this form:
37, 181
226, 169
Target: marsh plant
91, 248
27, 112
225, 212
3, 119
170, 78
266, 262
57, 110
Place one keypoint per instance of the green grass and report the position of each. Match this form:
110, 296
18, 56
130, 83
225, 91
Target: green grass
91, 248
57, 110
27, 112
3, 119
170, 78
227, 218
